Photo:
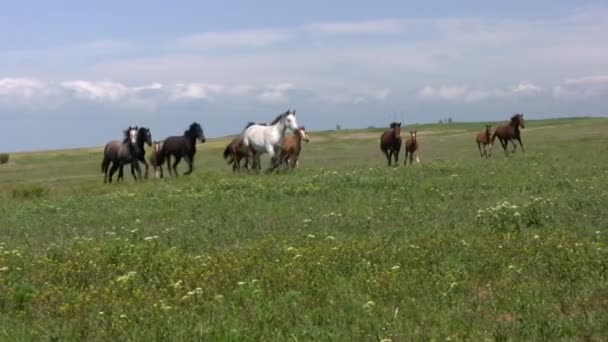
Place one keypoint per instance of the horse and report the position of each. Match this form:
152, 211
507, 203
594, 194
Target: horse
182, 147
259, 139
510, 132
119, 153
390, 142
484, 139
157, 159
143, 137
292, 146
411, 146
235, 150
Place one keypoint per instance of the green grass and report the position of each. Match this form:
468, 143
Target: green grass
344, 248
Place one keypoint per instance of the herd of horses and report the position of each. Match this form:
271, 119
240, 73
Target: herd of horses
256, 139
390, 140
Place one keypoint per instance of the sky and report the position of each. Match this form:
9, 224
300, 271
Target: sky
76, 73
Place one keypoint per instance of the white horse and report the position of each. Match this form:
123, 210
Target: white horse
269, 139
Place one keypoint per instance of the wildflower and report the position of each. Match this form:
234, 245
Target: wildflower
254, 281
311, 236
517, 214
101, 313
597, 232
240, 283
138, 221
134, 230
125, 278
306, 220
297, 256
386, 340
150, 238
123, 316
369, 305
511, 267
218, 297
4, 269
536, 237
329, 237
178, 284
395, 268
289, 249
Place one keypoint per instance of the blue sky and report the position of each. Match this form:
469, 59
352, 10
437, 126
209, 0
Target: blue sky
74, 73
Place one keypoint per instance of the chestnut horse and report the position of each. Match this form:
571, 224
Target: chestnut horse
411, 147
292, 146
484, 139
157, 159
390, 142
510, 132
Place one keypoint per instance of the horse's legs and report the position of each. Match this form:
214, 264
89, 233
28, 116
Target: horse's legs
168, 161
405, 158
105, 173
133, 171
120, 173
388, 155
396, 154
412, 157
520, 144
188, 160
112, 170
503, 143
513, 142
177, 160
143, 160
479, 147
135, 166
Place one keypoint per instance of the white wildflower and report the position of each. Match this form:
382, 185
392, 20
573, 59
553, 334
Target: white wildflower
150, 238
395, 268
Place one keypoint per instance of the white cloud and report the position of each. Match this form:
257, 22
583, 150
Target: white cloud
97, 91
588, 80
197, 91
231, 39
526, 88
24, 88
582, 87
455, 93
276, 94
356, 27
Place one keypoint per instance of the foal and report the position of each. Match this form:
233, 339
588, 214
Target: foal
411, 147
157, 159
390, 142
485, 139
292, 146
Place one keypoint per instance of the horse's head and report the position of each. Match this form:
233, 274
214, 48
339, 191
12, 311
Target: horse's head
413, 134
196, 131
131, 135
144, 135
396, 127
488, 129
303, 134
517, 120
290, 120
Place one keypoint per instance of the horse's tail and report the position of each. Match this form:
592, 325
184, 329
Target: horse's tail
105, 163
229, 152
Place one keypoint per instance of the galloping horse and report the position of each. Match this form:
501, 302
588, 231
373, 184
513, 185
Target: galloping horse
143, 137
119, 153
510, 132
390, 142
182, 147
292, 146
484, 139
157, 159
236, 151
258, 139
411, 146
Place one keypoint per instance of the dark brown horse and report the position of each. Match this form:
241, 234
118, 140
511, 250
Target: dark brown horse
411, 147
485, 139
182, 147
510, 132
390, 142
120, 153
292, 146
157, 159
144, 137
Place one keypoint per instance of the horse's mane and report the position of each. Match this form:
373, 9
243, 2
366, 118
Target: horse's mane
280, 117
191, 129
126, 133
515, 117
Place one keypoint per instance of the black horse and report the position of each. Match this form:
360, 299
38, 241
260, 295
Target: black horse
143, 137
182, 147
119, 153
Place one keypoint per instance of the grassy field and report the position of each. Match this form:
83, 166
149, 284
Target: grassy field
343, 249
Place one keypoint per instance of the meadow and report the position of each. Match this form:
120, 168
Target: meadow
344, 248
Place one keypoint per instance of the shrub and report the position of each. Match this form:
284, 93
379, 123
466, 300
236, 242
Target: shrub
4, 158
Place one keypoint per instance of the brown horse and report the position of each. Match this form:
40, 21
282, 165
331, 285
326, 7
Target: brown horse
182, 147
485, 139
292, 146
411, 147
157, 159
235, 151
510, 132
390, 142
120, 153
